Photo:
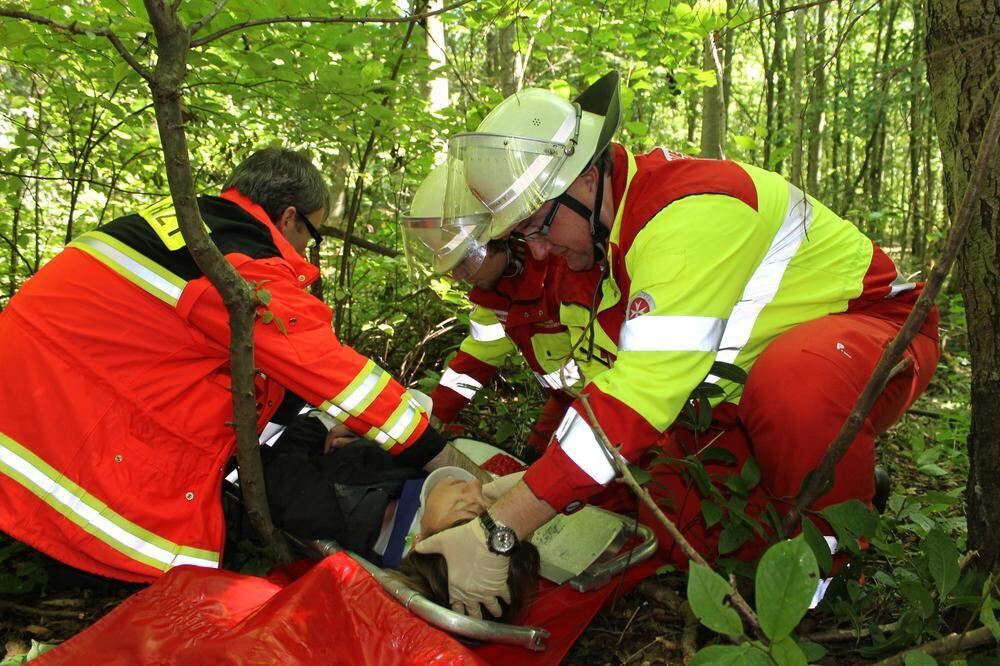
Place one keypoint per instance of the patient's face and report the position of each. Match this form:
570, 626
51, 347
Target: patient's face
452, 501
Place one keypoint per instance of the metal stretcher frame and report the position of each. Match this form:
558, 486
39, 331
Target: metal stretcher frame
532, 638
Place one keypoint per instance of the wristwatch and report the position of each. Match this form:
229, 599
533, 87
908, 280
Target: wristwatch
500, 539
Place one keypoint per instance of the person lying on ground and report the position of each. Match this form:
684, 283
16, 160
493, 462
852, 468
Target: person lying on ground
370, 504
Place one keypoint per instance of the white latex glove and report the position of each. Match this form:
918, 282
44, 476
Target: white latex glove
501, 485
475, 575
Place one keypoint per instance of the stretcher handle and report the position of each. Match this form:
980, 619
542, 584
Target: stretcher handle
600, 573
443, 618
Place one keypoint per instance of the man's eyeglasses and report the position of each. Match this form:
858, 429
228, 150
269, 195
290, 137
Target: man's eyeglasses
313, 231
542, 231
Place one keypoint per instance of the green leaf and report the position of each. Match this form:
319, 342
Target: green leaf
730, 655
745, 142
718, 454
729, 372
706, 592
733, 537
942, 560
851, 520
750, 473
813, 651
786, 652
785, 583
641, 475
986, 614
504, 430
711, 512
820, 548
919, 658
637, 128
918, 597
264, 296
267, 317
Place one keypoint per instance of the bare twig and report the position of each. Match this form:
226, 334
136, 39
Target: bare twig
942, 646
42, 612
822, 477
196, 27
628, 624
846, 635
413, 18
360, 242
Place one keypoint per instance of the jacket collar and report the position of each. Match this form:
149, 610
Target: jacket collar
307, 272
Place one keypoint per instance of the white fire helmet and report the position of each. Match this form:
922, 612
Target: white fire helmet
529, 150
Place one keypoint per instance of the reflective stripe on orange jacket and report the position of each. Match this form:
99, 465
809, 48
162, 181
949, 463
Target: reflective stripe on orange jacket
115, 403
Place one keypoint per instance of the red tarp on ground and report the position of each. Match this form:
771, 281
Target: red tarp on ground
336, 613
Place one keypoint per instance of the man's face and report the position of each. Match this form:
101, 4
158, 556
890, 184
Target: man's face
295, 232
489, 273
452, 501
568, 235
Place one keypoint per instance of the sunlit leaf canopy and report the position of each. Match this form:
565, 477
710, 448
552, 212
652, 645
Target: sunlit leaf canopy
80, 143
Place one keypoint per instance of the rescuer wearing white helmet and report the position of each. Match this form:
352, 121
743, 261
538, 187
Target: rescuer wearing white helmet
708, 264
510, 312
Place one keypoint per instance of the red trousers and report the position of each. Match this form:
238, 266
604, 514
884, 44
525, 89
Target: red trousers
797, 397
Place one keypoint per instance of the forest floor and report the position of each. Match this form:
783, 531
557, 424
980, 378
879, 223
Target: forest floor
41, 601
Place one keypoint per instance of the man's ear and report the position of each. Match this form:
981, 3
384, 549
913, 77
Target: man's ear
287, 217
590, 177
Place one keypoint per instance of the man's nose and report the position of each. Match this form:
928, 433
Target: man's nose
539, 248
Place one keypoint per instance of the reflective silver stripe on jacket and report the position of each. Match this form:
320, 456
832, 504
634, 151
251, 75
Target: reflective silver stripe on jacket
577, 440
565, 377
671, 333
762, 286
486, 332
464, 385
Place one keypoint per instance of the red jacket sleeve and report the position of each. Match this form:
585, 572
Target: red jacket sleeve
303, 354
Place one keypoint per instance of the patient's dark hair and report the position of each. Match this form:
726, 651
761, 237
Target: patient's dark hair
427, 573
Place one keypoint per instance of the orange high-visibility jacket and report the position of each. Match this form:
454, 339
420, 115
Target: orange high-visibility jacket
115, 402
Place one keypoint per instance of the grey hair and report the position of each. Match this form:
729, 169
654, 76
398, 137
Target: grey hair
276, 178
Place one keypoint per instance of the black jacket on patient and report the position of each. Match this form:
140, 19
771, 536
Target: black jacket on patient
340, 495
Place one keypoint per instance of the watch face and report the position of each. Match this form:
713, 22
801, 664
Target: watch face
502, 540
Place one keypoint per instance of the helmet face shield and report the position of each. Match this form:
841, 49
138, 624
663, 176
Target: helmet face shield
441, 248
436, 245
511, 176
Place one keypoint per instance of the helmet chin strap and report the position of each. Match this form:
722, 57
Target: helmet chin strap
598, 232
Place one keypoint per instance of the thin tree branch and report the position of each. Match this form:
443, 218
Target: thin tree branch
943, 646
323, 19
196, 27
360, 242
75, 28
822, 477
17, 251
89, 181
739, 603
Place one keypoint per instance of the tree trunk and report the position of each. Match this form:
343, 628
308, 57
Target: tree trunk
912, 227
965, 82
713, 111
798, 116
817, 105
173, 42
